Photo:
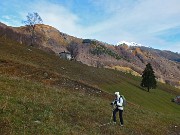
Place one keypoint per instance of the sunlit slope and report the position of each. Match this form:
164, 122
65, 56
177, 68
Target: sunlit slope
41, 93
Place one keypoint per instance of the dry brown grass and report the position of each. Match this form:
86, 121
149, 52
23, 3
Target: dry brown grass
126, 70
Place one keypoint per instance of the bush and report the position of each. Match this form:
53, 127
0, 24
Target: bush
100, 49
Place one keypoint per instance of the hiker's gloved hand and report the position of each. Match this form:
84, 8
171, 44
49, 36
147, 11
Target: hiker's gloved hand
111, 103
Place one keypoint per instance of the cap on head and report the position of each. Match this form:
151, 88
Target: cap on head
116, 93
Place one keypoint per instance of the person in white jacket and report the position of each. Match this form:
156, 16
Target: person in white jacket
118, 101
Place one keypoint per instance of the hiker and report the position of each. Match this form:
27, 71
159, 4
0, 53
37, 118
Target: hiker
118, 101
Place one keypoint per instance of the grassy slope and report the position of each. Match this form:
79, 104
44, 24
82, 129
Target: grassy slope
37, 106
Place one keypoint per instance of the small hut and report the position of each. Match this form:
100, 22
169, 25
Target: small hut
65, 55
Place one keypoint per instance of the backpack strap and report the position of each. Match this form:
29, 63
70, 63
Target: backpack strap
119, 101
119, 98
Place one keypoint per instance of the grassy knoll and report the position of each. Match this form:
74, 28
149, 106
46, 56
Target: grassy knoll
41, 94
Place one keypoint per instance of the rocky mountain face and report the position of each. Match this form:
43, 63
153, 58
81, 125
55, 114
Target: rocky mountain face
131, 59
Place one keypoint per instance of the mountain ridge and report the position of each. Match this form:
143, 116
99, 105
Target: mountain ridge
98, 54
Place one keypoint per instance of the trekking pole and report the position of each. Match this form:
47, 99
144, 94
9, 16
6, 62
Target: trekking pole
111, 118
113, 107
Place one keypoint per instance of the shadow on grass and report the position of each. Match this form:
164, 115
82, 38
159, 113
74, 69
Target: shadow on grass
138, 86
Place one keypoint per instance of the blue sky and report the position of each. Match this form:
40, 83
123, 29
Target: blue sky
154, 23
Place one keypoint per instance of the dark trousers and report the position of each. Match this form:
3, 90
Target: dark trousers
120, 115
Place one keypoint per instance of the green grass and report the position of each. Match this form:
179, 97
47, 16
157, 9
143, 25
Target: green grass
42, 94
33, 108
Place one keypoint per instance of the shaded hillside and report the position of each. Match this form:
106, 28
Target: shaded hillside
42, 94
99, 54
166, 54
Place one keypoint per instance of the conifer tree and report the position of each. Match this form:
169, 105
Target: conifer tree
148, 78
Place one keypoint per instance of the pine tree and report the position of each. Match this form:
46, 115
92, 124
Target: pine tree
148, 78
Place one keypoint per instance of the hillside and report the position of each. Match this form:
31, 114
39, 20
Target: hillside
43, 94
98, 54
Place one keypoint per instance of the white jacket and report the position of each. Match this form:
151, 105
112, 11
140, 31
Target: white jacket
119, 102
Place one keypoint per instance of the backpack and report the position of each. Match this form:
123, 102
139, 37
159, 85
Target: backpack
124, 100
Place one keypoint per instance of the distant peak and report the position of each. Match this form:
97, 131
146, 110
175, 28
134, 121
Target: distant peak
129, 43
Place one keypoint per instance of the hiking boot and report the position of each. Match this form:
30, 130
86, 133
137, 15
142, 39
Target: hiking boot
114, 123
121, 125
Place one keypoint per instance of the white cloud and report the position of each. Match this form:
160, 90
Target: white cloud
10, 20
139, 22
59, 17
6, 17
130, 20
